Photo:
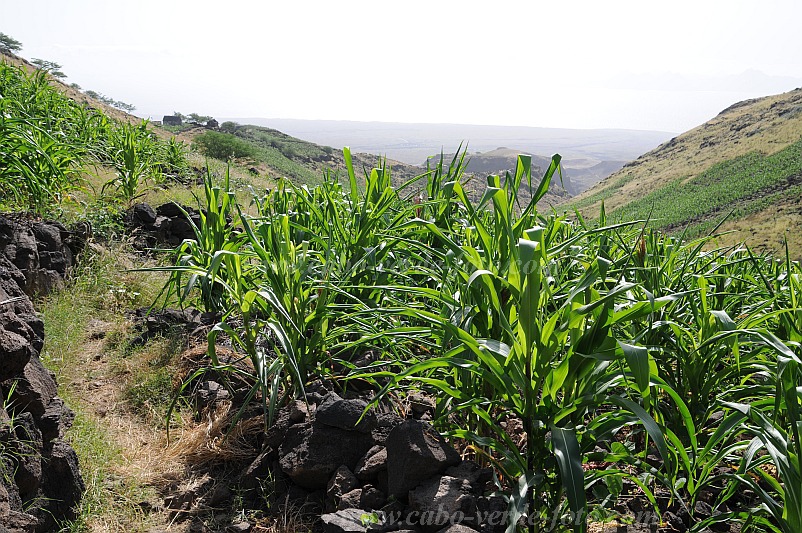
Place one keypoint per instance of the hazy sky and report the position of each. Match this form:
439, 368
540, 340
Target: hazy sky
641, 64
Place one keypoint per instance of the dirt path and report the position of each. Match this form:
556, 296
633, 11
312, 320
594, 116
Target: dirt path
140, 468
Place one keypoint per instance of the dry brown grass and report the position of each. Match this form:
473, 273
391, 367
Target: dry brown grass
214, 441
768, 230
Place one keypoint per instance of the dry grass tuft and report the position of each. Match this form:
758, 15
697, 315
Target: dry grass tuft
291, 519
215, 441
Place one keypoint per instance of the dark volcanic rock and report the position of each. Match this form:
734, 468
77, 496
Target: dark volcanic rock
54, 254
18, 244
312, 452
48, 236
15, 352
56, 419
476, 476
38, 251
19, 522
385, 422
415, 453
458, 528
350, 500
40, 484
375, 461
188, 496
342, 482
210, 393
446, 499
299, 411
493, 510
63, 485
166, 224
258, 469
142, 214
371, 498
170, 210
345, 414
29, 445
345, 521
12, 283
33, 390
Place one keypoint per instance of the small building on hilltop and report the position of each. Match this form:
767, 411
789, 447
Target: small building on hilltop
212, 124
172, 120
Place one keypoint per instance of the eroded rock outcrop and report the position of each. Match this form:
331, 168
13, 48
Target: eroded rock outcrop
40, 482
42, 252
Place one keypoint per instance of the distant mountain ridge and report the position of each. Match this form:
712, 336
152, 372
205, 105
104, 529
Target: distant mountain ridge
412, 143
588, 155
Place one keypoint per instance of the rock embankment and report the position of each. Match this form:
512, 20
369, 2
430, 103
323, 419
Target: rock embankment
40, 483
378, 471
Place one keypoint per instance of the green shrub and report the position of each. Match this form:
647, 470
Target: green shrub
224, 146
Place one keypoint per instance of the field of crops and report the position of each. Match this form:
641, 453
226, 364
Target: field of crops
586, 363
712, 194
676, 368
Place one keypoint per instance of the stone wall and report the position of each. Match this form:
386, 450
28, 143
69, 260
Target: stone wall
40, 483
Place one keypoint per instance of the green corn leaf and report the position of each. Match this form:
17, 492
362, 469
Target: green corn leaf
354, 189
640, 363
652, 428
569, 461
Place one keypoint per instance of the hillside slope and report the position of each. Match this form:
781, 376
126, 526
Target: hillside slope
746, 163
271, 152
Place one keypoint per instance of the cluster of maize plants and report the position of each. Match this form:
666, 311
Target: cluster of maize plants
551, 344
48, 142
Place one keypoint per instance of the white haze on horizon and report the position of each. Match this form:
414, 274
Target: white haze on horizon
574, 64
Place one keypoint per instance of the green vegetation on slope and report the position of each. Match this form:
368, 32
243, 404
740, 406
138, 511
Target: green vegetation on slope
745, 184
271, 152
744, 161
48, 142
289, 157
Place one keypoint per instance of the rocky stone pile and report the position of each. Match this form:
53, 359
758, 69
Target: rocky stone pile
40, 483
375, 471
167, 224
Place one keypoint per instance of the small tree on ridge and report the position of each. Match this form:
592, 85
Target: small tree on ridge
49, 66
8, 44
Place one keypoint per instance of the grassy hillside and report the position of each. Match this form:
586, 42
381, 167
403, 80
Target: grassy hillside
271, 152
745, 163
